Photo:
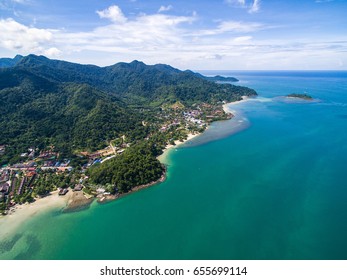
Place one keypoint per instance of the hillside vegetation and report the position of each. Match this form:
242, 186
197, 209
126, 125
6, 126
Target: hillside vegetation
55, 113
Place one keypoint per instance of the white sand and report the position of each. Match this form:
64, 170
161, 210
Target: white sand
21, 213
162, 157
226, 108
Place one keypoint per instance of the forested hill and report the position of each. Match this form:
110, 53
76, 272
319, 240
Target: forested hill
9, 62
74, 107
36, 112
134, 82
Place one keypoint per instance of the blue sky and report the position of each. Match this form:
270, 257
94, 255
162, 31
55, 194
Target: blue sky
215, 35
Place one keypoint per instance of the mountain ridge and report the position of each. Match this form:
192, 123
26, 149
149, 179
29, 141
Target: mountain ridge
72, 106
9, 62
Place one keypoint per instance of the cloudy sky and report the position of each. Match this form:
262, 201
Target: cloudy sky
187, 34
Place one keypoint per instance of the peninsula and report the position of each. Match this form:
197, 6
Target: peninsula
97, 130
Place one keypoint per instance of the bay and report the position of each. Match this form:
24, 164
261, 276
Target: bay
269, 184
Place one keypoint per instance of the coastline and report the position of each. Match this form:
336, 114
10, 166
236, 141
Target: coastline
111, 197
73, 201
21, 213
77, 201
163, 157
226, 108
70, 202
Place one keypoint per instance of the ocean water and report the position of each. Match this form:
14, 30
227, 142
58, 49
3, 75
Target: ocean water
269, 184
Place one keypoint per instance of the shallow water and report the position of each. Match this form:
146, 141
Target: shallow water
272, 188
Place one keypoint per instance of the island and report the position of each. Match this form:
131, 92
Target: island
84, 131
300, 95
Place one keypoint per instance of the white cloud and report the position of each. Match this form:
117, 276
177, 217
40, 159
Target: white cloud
236, 2
9, 5
213, 56
138, 36
240, 27
242, 39
163, 38
252, 7
255, 7
52, 52
165, 8
233, 27
20, 1
113, 13
16, 36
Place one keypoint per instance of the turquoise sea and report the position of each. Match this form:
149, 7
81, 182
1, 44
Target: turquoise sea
269, 184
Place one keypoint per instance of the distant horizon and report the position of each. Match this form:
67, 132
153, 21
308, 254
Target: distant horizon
191, 69
276, 70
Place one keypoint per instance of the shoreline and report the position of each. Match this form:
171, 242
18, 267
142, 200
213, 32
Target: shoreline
73, 201
227, 110
162, 158
112, 197
20, 213
77, 201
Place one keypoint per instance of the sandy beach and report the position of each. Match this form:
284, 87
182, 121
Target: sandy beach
21, 213
177, 142
226, 108
162, 158
70, 202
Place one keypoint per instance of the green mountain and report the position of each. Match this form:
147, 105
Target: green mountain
135, 82
75, 107
9, 62
36, 112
